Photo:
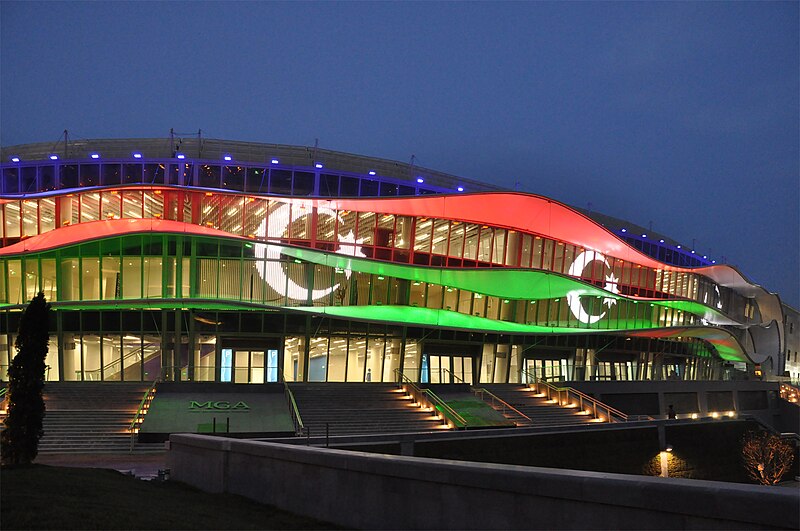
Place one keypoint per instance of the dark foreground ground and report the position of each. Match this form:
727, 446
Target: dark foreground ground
54, 497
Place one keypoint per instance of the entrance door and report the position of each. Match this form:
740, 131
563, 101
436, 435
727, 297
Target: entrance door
249, 366
547, 370
450, 369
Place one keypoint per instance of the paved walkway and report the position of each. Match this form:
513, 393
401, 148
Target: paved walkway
140, 465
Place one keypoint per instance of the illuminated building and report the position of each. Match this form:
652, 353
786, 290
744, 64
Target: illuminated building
250, 263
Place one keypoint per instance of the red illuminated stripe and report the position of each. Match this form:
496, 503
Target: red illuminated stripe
516, 211
94, 230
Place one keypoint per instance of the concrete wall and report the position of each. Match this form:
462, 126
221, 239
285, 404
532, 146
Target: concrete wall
373, 491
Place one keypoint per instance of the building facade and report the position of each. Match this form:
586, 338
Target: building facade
206, 260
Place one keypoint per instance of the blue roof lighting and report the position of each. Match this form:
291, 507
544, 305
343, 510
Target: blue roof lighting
181, 156
420, 180
227, 157
644, 235
460, 188
274, 161
678, 246
660, 241
137, 155
54, 157
318, 165
95, 155
372, 172
14, 159
623, 230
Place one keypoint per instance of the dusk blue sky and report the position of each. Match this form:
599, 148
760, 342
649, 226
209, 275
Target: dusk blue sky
682, 114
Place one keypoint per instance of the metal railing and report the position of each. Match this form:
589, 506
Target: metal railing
3, 398
426, 397
571, 397
499, 404
299, 428
144, 405
454, 377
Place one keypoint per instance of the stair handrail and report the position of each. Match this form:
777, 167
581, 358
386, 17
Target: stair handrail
141, 411
483, 390
454, 375
426, 396
3, 397
579, 395
299, 428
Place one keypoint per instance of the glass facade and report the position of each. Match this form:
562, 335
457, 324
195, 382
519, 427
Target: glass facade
265, 273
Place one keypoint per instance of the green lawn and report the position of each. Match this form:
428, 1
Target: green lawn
46, 497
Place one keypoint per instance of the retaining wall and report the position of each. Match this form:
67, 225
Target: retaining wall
373, 491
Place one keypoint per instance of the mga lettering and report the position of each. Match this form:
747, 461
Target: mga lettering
218, 405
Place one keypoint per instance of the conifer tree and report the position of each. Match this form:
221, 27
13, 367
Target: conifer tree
25, 404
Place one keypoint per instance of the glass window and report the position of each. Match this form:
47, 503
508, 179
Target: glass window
402, 232
111, 205
406, 190
385, 232
231, 210
499, 246
366, 227
132, 204
440, 236
69, 176
12, 219
417, 294
300, 228
90, 278
131, 173
208, 176
388, 189
479, 305
380, 289
154, 173
111, 174
547, 256
513, 240
450, 299
422, 236
233, 177
349, 187
30, 217
90, 207
47, 178
280, 182
10, 180
558, 261
153, 204
28, 180
369, 188
485, 247
303, 183
329, 187
356, 358
90, 174
257, 180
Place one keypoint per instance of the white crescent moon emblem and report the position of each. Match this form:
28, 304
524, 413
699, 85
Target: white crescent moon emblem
573, 297
270, 269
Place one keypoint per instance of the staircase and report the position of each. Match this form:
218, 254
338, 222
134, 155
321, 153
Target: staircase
359, 408
91, 417
542, 413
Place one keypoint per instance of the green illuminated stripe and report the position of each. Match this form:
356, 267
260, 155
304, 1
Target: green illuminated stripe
525, 284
